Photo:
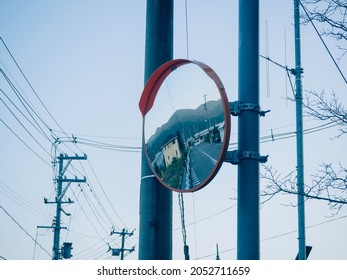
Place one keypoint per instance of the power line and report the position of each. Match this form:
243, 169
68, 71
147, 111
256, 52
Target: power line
39, 130
17, 198
25, 128
89, 201
107, 198
107, 146
325, 46
90, 249
290, 134
92, 190
187, 28
34, 91
24, 230
96, 212
264, 139
277, 236
14, 60
184, 232
9, 73
26, 144
101, 136
26, 105
87, 216
208, 217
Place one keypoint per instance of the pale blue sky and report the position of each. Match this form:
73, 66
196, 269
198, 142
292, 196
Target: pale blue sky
85, 60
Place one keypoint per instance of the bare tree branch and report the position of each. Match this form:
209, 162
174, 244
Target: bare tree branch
327, 185
332, 14
326, 110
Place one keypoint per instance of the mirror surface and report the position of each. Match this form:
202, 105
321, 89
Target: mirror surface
184, 132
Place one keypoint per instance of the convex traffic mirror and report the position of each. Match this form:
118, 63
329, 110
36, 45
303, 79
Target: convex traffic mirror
186, 124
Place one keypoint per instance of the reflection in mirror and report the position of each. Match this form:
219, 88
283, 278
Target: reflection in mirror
184, 131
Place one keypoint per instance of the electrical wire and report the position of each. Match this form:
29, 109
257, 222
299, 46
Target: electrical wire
207, 218
17, 84
34, 116
107, 198
263, 139
278, 236
187, 29
92, 190
100, 136
22, 228
321, 39
92, 207
98, 200
25, 103
39, 130
107, 146
38, 97
25, 128
18, 199
102, 239
84, 254
26, 144
286, 135
267, 61
184, 232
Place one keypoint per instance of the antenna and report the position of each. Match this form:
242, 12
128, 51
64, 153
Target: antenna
267, 61
285, 63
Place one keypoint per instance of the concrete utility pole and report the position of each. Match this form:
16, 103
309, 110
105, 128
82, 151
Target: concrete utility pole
124, 233
248, 237
155, 235
59, 199
299, 136
217, 256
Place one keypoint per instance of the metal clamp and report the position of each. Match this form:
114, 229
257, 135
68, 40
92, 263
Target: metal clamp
237, 106
235, 156
253, 155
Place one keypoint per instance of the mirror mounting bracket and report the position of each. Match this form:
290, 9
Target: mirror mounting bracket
237, 107
234, 157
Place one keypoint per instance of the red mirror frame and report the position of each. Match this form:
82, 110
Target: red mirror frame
148, 97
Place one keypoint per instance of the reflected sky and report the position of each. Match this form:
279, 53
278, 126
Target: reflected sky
184, 129
185, 88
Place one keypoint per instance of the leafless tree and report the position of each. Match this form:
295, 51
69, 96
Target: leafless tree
324, 109
329, 183
331, 15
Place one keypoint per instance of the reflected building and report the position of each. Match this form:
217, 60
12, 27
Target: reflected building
184, 150
171, 150
214, 134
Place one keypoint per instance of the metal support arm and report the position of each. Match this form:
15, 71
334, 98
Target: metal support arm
237, 107
235, 156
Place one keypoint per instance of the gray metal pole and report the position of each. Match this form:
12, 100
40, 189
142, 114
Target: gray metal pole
299, 136
155, 236
248, 241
